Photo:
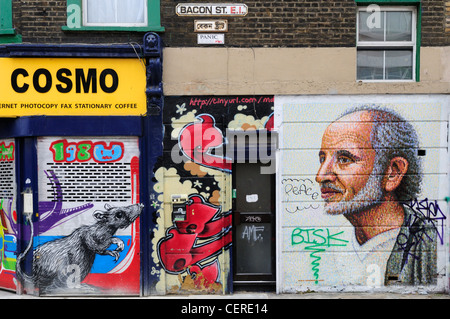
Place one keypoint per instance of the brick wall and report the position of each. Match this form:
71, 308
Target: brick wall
275, 23
447, 18
271, 23
433, 23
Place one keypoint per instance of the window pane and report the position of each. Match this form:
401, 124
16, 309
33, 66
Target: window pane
398, 26
115, 12
371, 26
399, 65
131, 11
101, 11
370, 65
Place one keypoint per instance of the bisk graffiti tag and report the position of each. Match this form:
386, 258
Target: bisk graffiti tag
316, 241
198, 140
191, 244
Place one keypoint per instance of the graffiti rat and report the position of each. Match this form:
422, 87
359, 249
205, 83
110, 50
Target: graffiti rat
56, 262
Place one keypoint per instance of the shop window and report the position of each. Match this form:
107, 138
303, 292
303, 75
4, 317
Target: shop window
127, 15
387, 43
124, 13
7, 32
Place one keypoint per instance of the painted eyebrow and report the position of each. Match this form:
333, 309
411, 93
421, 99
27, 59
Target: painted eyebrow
348, 154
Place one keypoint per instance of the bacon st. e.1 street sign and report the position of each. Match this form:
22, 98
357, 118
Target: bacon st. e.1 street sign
211, 9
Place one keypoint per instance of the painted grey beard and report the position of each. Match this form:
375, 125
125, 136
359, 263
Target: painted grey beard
370, 195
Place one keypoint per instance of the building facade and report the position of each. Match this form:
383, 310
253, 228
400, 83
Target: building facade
160, 147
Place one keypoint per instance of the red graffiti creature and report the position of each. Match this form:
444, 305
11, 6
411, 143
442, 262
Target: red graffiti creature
204, 233
197, 141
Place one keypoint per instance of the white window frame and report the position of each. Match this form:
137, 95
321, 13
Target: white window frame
109, 24
382, 45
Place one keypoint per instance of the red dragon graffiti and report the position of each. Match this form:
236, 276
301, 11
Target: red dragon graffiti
193, 245
197, 140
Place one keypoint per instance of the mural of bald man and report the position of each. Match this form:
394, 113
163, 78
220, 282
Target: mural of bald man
369, 165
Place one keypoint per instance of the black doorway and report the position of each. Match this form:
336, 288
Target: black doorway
253, 228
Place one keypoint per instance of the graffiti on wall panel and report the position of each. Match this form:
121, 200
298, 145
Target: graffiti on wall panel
8, 214
85, 236
7, 152
370, 189
316, 242
64, 263
194, 253
100, 152
198, 140
202, 236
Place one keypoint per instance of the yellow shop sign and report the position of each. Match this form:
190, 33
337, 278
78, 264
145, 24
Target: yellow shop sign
74, 86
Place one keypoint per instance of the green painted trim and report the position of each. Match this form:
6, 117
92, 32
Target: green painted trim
129, 29
17, 38
7, 32
6, 14
154, 14
76, 2
418, 40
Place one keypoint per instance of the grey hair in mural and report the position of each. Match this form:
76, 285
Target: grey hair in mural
394, 136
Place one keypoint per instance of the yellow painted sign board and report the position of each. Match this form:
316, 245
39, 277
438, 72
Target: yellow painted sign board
72, 86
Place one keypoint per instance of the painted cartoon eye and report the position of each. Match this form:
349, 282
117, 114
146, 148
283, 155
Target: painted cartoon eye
119, 215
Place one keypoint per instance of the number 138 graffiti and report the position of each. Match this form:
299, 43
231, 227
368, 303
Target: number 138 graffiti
83, 151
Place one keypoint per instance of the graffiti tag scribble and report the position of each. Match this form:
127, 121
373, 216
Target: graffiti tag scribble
6, 152
426, 215
316, 240
300, 192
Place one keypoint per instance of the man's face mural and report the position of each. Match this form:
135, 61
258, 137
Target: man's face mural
346, 175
